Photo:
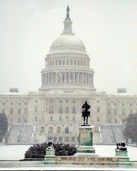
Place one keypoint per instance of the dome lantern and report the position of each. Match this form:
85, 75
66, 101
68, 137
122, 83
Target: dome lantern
67, 23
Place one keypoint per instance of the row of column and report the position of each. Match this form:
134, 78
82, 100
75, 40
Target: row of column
67, 78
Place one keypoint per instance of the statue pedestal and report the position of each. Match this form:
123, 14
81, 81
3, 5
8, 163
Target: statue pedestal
122, 156
50, 156
86, 142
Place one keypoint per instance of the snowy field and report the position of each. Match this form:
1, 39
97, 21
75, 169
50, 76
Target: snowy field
16, 152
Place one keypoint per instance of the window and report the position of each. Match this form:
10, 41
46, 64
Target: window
73, 139
66, 139
50, 138
59, 62
123, 111
115, 111
25, 120
3, 103
19, 103
60, 110
58, 130
98, 109
130, 104
98, 101
73, 109
67, 109
3, 110
115, 120
70, 62
60, 118
60, 139
51, 118
35, 119
115, 104
74, 119
42, 129
11, 110
36, 109
109, 112
97, 119
19, 111
108, 104
51, 110
25, 111
66, 130
25, 103
63, 62
50, 130
11, 120
74, 62
18, 120
36, 101
55, 139
11, 104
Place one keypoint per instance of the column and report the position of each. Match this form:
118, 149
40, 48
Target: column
65, 77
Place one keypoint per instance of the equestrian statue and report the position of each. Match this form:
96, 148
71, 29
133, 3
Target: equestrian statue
85, 113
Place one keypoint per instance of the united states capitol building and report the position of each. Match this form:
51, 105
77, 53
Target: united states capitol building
54, 111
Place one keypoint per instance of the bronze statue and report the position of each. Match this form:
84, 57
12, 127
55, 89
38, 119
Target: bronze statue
85, 112
68, 9
121, 146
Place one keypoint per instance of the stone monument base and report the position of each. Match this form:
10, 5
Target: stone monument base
86, 142
50, 156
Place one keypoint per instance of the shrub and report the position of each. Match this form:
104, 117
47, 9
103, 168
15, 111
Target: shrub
39, 150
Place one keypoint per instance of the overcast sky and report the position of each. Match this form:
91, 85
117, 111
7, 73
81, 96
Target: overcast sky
108, 29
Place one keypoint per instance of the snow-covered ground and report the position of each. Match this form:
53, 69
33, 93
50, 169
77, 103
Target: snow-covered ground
16, 152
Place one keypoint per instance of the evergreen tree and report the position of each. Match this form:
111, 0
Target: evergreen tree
3, 125
130, 130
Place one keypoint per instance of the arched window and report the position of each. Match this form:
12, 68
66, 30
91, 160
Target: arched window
60, 139
50, 130
60, 110
66, 130
42, 129
51, 110
58, 130
73, 139
67, 109
50, 138
66, 139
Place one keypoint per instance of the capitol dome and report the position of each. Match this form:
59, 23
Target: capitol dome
67, 65
67, 42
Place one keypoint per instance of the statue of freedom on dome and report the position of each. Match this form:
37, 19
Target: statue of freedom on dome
85, 113
68, 9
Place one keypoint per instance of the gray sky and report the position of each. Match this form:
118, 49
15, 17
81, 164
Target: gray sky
108, 29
